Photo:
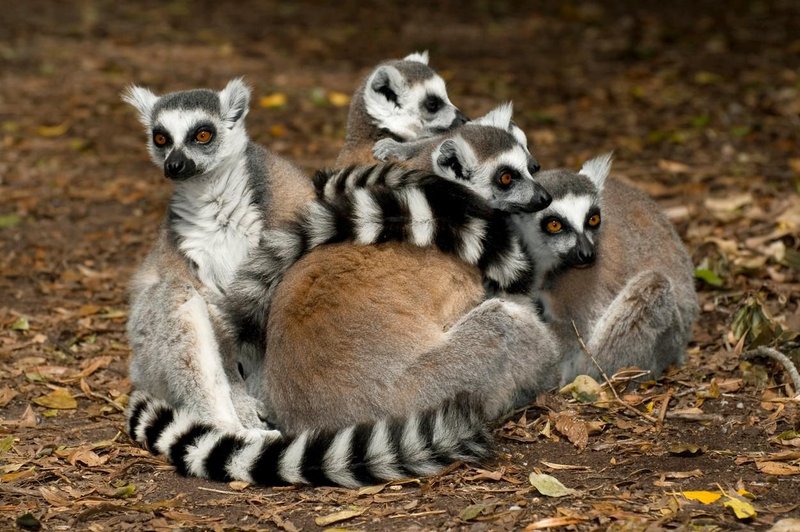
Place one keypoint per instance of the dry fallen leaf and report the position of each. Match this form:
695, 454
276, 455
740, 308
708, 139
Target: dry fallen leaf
574, 429
778, 468
549, 486
705, 497
487, 475
742, 509
353, 511
238, 485
60, 398
791, 524
584, 389
566, 467
6, 395
553, 522
372, 490
685, 449
474, 510
87, 457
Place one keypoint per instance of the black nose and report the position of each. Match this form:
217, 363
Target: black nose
541, 198
178, 166
174, 168
585, 256
459, 120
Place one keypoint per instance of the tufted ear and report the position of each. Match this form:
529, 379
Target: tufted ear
597, 169
385, 86
419, 57
499, 117
455, 159
234, 101
143, 100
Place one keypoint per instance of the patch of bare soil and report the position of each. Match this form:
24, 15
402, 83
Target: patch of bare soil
700, 101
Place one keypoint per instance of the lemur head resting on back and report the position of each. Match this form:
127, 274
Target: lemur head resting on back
566, 234
194, 132
489, 155
402, 99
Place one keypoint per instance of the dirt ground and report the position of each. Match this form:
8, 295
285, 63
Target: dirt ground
700, 102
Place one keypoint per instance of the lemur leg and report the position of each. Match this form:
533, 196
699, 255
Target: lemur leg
500, 350
177, 357
641, 327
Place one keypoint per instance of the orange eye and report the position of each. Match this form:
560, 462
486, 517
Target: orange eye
594, 220
553, 226
506, 179
159, 139
203, 136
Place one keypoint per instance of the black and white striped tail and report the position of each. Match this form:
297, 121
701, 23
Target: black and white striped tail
360, 455
331, 184
427, 210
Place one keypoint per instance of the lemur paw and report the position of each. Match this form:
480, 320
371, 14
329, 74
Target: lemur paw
385, 149
252, 412
261, 435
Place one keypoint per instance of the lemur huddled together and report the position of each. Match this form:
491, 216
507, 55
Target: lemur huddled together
369, 322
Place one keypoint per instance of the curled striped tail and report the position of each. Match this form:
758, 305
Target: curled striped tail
427, 210
359, 455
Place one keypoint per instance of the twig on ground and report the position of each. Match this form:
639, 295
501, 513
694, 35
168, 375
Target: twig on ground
418, 514
694, 416
662, 413
786, 362
617, 398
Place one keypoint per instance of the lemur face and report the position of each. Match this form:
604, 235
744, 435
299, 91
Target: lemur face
408, 100
569, 229
192, 132
488, 155
566, 234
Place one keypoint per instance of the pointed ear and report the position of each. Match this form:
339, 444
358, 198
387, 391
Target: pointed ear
386, 84
419, 57
455, 159
597, 169
143, 100
518, 134
499, 117
234, 101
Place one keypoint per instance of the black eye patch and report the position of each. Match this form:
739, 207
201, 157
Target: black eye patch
593, 218
553, 225
193, 132
433, 103
505, 177
161, 138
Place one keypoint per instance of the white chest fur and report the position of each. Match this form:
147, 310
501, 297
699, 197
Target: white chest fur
216, 223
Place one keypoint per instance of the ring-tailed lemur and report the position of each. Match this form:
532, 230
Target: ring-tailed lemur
225, 187
402, 99
397, 326
358, 455
486, 155
631, 309
636, 304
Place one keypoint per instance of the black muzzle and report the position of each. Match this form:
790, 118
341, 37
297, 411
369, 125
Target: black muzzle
179, 167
